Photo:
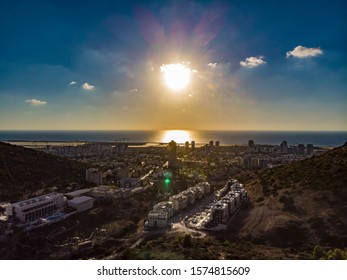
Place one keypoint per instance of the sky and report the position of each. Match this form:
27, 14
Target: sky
98, 65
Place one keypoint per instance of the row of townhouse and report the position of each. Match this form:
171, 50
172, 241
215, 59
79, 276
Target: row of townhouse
230, 198
160, 215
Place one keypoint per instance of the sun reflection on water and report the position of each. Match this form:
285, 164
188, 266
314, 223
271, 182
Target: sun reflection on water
179, 136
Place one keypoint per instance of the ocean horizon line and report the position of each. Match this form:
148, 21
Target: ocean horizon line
224, 137
150, 130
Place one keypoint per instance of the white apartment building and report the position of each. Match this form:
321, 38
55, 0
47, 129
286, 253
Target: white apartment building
179, 201
165, 206
35, 208
199, 192
205, 187
158, 219
191, 196
219, 212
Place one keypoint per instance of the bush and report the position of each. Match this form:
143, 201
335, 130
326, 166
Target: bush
336, 254
333, 254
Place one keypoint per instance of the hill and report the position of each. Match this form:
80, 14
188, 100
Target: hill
302, 203
27, 172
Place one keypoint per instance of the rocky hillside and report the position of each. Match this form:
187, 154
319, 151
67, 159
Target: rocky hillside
303, 203
26, 172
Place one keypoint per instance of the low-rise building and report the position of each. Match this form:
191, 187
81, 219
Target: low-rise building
81, 203
35, 208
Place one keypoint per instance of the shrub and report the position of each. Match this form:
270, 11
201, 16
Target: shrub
318, 252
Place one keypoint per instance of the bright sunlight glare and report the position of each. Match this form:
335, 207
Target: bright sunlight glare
179, 136
176, 76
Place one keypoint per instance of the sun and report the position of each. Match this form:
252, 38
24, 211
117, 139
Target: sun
176, 76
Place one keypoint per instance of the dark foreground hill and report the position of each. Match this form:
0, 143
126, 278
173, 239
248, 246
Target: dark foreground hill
300, 203
26, 172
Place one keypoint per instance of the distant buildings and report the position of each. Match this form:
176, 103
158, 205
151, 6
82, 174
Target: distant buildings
172, 154
186, 145
251, 147
193, 145
309, 149
301, 149
93, 175
284, 147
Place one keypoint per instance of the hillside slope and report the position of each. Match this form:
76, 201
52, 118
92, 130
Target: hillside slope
25, 172
303, 203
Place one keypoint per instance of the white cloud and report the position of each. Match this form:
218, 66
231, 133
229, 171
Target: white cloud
251, 62
72, 83
303, 52
133, 90
36, 102
212, 65
87, 86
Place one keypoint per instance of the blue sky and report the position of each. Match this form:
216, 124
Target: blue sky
267, 65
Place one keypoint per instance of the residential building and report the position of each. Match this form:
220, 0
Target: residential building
220, 212
166, 207
158, 219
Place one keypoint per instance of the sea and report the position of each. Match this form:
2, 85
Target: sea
318, 138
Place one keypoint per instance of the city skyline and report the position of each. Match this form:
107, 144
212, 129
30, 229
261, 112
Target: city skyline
106, 65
